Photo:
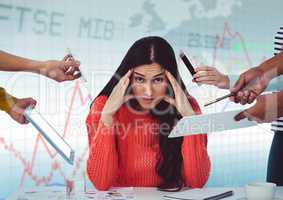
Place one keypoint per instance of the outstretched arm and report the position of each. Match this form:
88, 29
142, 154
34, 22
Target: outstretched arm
57, 70
254, 81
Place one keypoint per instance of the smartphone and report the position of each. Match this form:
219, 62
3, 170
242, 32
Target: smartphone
187, 63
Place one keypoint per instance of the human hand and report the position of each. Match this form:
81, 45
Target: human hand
180, 101
265, 110
65, 70
116, 98
211, 76
18, 109
250, 84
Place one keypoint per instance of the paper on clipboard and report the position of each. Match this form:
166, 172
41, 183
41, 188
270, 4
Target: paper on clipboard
50, 134
207, 123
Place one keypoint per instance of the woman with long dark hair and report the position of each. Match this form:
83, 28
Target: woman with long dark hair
130, 120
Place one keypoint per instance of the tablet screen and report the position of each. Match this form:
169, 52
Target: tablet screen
50, 134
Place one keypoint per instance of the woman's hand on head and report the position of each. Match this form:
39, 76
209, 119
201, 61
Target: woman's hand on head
211, 76
180, 101
116, 98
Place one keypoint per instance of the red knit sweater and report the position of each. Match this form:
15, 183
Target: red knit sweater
126, 154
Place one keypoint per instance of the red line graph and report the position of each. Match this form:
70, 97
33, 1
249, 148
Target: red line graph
235, 36
28, 166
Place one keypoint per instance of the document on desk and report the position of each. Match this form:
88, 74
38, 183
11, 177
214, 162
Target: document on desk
57, 192
50, 134
207, 123
200, 194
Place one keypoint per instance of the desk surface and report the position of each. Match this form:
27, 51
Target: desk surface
139, 193
153, 194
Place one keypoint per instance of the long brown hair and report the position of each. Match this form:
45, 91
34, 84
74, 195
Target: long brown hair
150, 50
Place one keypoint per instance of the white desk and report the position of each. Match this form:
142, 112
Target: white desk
151, 194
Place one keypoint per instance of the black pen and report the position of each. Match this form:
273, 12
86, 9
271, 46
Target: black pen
215, 197
220, 196
170, 197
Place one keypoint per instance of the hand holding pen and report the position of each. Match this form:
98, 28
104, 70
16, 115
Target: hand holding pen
250, 84
72, 70
230, 95
59, 70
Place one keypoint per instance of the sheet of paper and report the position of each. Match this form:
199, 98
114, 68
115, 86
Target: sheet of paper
207, 123
50, 134
55, 193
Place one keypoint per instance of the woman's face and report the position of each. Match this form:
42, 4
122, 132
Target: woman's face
149, 85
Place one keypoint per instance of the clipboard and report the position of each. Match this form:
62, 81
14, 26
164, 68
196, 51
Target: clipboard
207, 123
50, 134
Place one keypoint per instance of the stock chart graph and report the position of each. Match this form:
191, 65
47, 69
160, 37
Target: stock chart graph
230, 35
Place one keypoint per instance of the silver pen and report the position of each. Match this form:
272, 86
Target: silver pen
219, 99
72, 58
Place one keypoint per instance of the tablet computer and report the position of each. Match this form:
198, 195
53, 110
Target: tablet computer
50, 134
